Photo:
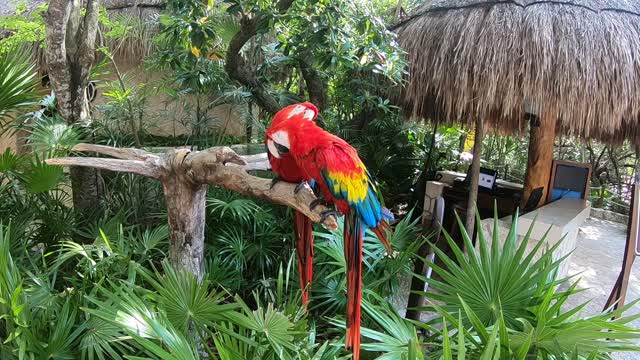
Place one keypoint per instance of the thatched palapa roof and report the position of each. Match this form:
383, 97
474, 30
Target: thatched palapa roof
578, 61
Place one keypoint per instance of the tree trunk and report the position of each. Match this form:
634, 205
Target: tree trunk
540, 157
248, 130
238, 68
85, 188
185, 208
316, 86
71, 28
475, 177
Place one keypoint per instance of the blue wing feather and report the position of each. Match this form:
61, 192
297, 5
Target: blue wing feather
367, 209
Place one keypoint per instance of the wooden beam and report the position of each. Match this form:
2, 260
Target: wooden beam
470, 220
619, 291
542, 135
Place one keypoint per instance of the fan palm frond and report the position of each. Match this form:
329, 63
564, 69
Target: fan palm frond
18, 80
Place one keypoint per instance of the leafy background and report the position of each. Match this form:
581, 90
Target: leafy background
96, 286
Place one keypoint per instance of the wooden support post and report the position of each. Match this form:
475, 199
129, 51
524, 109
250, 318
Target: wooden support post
619, 291
185, 212
540, 156
470, 219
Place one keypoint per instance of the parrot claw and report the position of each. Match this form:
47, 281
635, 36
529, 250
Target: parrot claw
274, 181
299, 187
317, 202
325, 214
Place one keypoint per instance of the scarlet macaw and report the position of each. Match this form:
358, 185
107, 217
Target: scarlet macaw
285, 168
336, 168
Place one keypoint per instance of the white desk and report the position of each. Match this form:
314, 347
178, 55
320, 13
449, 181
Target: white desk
562, 218
449, 176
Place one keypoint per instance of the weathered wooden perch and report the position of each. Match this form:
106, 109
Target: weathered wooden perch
185, 175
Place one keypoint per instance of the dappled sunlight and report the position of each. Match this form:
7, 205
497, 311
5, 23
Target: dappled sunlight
597, 261
135, 323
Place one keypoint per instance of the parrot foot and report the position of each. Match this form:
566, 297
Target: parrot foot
274, 181
325, 214
317, 202
299, 187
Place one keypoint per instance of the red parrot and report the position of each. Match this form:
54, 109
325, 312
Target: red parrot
336, 168
285, 168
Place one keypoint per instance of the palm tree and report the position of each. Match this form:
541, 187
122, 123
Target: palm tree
18, 80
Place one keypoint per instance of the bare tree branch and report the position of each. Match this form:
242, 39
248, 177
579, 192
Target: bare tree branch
316, 86
119, 153
219, 166
236, 65
131, 166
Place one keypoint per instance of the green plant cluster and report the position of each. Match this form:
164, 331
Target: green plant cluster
97, 286
23, 26
503, 301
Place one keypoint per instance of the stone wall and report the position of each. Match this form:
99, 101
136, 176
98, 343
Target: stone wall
164, 117
609, 215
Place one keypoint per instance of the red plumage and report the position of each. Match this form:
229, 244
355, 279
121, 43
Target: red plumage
287, 169
344, 181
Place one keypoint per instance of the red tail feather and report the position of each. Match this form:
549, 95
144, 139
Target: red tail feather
353, 256
304, 247
381, 232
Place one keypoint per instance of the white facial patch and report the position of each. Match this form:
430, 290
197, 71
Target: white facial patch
309, 114
299, 109
272, 149
282, 138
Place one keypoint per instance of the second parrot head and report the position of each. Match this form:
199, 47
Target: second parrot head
277, 137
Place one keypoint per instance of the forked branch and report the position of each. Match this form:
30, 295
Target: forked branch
219, 166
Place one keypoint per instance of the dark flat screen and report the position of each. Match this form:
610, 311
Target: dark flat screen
571, 178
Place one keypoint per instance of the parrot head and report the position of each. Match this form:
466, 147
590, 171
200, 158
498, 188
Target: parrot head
277, 137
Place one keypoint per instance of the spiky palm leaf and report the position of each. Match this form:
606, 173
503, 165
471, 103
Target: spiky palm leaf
18, 80
10, 162
242, 210
500, 279
397, 337
53, 136
41, 177
499, 300
187, 302
149, 329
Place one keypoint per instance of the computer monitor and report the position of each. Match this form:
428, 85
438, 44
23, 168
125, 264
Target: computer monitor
487, 179
569, 180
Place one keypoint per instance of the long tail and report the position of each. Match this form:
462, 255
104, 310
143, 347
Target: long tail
381, 232
383, 229
304, 247
353, 229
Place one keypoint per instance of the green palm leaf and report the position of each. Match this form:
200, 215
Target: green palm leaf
186, 301
497, 280
18, 80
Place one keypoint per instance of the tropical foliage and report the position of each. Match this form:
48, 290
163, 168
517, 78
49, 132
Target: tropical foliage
503, 301
98, 286
18, 80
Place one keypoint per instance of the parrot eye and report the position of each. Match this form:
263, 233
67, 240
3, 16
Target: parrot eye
279, 143
271, 148
281, 148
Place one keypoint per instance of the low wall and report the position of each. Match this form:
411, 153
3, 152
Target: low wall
609, 215
556, 221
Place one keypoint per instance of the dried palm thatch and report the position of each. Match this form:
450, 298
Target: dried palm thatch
576, 60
